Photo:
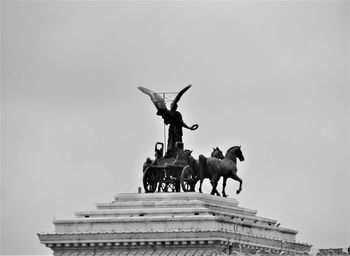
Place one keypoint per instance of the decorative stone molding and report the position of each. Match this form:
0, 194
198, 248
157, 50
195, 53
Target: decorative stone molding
165, 223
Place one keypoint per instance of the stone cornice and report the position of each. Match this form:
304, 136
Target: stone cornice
170, 239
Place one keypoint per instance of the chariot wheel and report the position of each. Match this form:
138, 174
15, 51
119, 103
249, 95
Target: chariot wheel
169, 181
188, 179
150, 180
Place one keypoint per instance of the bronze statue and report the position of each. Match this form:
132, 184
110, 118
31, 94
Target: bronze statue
194, 173
170, 116
213, 168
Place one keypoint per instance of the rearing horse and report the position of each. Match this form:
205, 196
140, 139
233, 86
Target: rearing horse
214, 168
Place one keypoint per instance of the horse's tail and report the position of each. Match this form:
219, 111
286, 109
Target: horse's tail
202, 165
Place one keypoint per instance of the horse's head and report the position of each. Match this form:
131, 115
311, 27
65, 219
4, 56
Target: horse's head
217, 153
239, 154
187, 153
190, 159
236, 151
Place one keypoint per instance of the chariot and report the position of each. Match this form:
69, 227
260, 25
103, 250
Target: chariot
169, 173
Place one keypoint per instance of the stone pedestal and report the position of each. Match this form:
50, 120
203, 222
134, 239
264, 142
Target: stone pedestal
171, 224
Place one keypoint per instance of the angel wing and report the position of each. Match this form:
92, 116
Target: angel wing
157, 100
178, 96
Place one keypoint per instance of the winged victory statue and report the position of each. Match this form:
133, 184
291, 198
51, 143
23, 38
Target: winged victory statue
171, 117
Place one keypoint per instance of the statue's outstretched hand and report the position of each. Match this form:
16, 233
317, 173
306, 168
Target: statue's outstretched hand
194, 127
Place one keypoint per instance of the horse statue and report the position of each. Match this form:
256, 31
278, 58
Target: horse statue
195, 166
213, 168
217, 153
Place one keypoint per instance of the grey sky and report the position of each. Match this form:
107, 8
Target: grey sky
270, 76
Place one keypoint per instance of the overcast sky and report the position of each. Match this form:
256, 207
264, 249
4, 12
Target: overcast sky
270, 76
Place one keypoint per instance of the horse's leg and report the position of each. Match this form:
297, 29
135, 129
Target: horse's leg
200, 185
223, 187
235, 177
214, 182
213, 185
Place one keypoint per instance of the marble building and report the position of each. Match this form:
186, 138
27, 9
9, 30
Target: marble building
171, 224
